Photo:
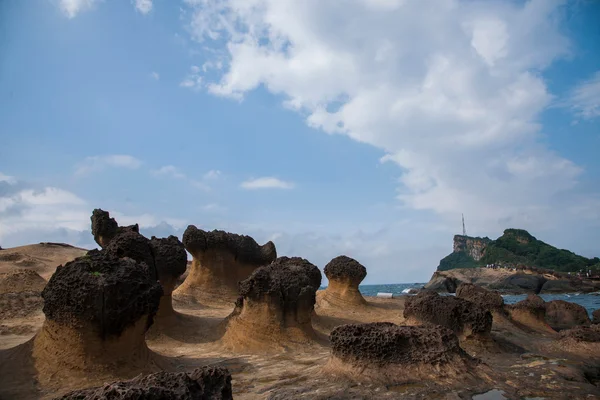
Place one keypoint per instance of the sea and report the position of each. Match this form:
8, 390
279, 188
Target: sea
591, 302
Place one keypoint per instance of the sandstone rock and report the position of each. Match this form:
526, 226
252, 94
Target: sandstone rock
221, 260
466, 319
275, 305
201, 384
170, 260
596, 316
530, 312
582, 333
21, 280
388, 353
568, 286
441, 283
135, 246
520, 283
344, 275
562, 314
488, 299
104, 228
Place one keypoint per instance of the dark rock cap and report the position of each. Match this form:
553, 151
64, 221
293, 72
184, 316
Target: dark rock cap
384, 343
343, 267
133, 245
286, 278
488, 299
206, 383
533, 303
244, 248
105, 227
448, 311
107, 292
170, 257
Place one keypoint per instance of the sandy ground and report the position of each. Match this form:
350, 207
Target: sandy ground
520, 362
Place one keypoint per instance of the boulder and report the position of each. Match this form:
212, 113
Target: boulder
596, 317
385, 353
220, 261
568, 286
105, 228
488, 299
206, 383
522, 283
582, 334
344, 275
530, 312
276, 304
466, 319
441, 283
562, 314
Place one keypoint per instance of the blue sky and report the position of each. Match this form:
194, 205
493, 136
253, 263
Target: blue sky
359, 127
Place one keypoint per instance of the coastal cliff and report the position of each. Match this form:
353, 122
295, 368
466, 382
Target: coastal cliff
516, 262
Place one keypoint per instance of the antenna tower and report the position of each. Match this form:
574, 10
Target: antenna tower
463, 221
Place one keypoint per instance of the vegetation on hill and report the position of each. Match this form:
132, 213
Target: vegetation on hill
516, 247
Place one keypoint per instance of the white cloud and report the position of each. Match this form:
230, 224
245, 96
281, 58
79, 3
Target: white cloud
73, 7
155, 75
193, 80
168, 171
98, 163
143, 6
446, 88
584, 99
266, 183
212, 174
8, 179
171, 171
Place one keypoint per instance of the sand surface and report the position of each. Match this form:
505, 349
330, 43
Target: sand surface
516, 360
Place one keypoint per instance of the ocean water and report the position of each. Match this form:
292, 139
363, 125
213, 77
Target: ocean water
590, 301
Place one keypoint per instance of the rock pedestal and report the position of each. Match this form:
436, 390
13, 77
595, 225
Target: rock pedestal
344, 275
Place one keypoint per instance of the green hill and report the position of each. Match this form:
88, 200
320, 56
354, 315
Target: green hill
516, 247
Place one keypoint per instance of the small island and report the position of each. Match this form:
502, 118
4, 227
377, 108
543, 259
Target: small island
515, 263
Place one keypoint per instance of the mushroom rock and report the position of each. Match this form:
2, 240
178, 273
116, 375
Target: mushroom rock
385, 353
220, 261
562, 314
466, 319
204, 383
344, 275
170, 260
133, 245
530, 312
275, 306
105, 228
490, 300
97, 309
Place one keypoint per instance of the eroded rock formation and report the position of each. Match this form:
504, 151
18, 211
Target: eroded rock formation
562, 314
385, 353
170, 260
97, 309
530, 312
105, 228
221, 260
596, 317
488, 299
275, 306
133, 245
466, 319
344, 275
582, 333
206, 383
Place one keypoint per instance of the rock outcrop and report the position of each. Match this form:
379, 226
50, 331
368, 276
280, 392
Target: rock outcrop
202, 384
582, 334
474, 247
441, 282
385, 353
21, 280
221, 260
97, 309
522, 283
344, 275
170, 260
465, 319
596, 316
562, 315
488, 299
133, 245
530, 312
105, 228
275, 306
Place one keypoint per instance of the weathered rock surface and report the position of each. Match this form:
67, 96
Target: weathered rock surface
105, 228
276, 304
488, 299
221, 260
582, 333
202, 384
21, 280
344, 275
388, 353
99, 291
562, 314
443, 283
463, 317
133, 245
522, 283
170, 260
596, 317
530, 312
